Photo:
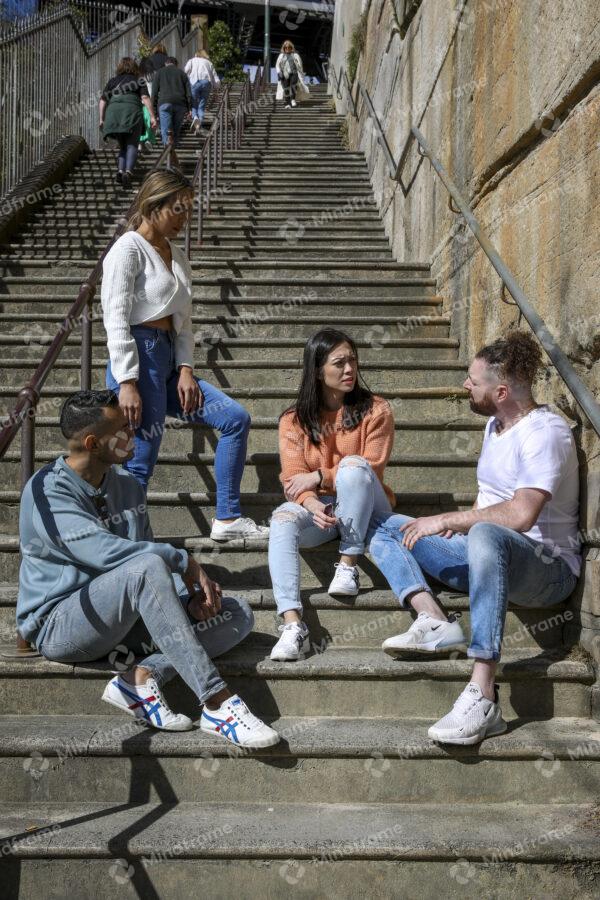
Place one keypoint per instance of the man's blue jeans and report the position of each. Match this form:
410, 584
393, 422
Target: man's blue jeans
494, 565
200, 94
157, 384
171, 115
361, 504
139, 608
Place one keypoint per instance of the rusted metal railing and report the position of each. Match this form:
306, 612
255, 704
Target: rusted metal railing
81, 312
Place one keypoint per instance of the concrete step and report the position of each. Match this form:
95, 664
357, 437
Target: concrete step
334, 850
409, 349
269, 281
458, 436
226, 374
426, 402
67, 246
187, 514
368, 619
210, 329
195, 471
68, 759
244, 307
368, 682
183, 518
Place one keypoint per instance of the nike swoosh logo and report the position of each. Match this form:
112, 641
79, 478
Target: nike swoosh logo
435, 627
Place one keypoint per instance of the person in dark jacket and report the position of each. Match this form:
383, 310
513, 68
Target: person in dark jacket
172, 98
121, 115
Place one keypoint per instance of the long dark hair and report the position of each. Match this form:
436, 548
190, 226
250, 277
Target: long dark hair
309, 402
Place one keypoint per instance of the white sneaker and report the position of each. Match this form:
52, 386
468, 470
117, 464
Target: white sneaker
427, 635
239, 528
234, 722
145, 702
294, 103
195, 122
345, 581
292, 643
471, 719
287, 106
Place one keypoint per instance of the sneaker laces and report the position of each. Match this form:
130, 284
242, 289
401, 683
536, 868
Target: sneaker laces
243, 714
290, 627
346, 568
466, 701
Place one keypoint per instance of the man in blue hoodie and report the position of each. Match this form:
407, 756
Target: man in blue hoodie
92, 578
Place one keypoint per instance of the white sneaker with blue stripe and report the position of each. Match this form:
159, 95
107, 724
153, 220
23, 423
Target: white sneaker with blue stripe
146, 703
234, 722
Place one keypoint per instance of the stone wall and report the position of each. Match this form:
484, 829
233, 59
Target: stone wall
507, 94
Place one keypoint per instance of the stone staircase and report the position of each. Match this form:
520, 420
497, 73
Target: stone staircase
356, 800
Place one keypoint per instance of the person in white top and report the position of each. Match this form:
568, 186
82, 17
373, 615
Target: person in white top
519, 544
203, 77
290, 75
147, 308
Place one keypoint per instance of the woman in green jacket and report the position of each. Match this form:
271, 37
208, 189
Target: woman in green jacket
121, 115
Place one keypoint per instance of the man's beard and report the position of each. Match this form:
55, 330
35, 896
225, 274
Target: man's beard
485, 407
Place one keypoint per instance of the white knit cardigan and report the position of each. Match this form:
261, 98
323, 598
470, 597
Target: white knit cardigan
138, 287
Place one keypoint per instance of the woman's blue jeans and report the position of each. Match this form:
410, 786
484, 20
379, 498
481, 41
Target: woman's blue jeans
493, 564
157, 384
200, 94
361, 505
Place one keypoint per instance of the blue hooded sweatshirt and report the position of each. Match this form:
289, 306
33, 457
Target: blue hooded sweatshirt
71, 532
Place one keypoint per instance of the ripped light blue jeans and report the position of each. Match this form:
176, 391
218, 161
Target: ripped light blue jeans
361, 505
493, 564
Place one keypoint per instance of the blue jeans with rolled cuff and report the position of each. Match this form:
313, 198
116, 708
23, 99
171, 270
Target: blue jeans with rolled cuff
140, 608
157, 384
361, 505
200, 95
493, 564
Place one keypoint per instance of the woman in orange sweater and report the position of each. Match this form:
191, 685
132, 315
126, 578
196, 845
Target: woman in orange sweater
334, 444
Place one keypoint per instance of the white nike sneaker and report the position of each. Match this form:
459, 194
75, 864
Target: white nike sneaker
294, 103
471, 719
428, 636
239, 528
234, 722
345, 581
292, 643
146, 703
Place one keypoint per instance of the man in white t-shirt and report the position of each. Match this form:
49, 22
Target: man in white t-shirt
519, 543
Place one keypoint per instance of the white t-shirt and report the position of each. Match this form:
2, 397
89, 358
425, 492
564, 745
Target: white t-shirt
537, 452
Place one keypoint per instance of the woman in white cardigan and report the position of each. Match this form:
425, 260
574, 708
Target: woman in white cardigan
290, 75
147, 307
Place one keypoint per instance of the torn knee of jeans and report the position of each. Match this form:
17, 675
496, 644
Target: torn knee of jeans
285, 515
354, 462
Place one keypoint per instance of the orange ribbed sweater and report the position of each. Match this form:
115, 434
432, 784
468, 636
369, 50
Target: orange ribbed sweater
372, 439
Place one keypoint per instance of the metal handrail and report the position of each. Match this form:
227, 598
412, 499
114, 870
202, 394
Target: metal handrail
23, 415
226, 133
581, 393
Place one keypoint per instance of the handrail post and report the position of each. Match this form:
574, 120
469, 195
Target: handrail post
170, 148
215, 151
86, 340
200, 204
27, 440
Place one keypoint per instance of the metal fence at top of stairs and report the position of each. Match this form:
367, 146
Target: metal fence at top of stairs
458, 205
54, 66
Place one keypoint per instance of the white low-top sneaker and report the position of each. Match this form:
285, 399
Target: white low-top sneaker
345, 581
428, 636
292, 643
294, 103
471, 719
146, 703
234, 722
239, 528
